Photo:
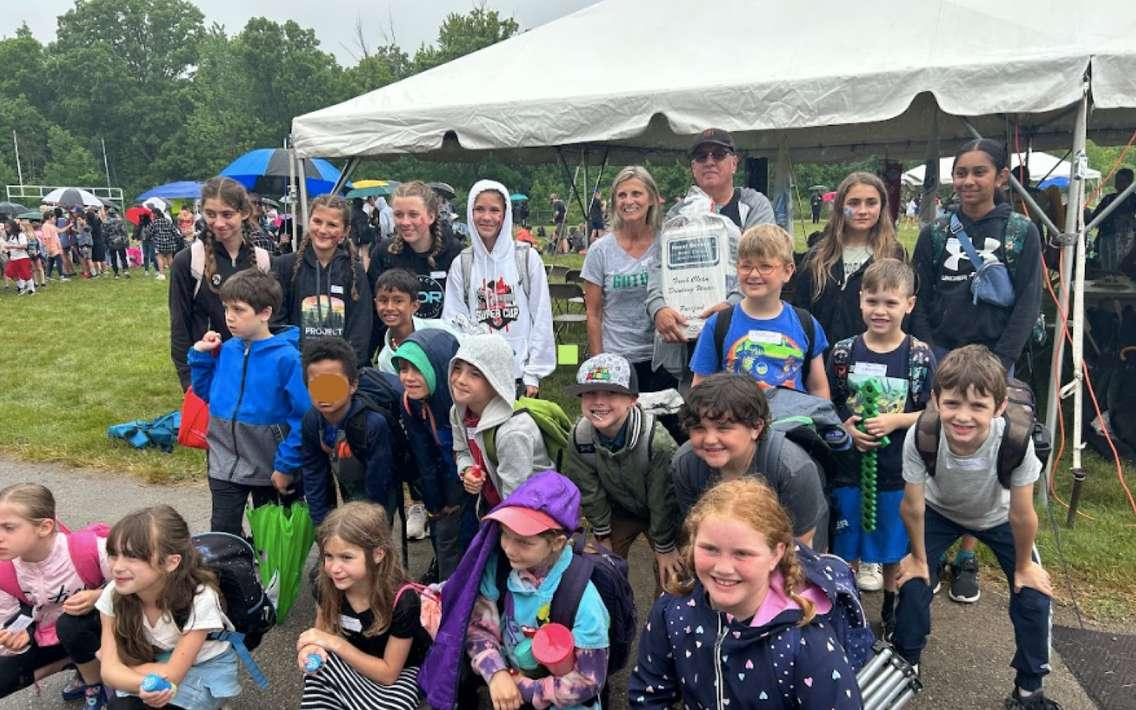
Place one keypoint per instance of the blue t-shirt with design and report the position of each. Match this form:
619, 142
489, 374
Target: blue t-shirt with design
770, 350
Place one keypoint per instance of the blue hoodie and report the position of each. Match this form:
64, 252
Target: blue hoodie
257, 398
427, 423
688, 650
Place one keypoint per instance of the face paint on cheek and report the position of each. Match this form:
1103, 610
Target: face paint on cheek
328, 388
848, 212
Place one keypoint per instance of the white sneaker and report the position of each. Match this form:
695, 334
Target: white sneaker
416, 522
160, 277
870, 578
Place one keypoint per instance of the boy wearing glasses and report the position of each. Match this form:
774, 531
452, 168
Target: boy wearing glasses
777, 344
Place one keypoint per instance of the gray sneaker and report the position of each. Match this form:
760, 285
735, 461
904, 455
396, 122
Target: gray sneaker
964, 587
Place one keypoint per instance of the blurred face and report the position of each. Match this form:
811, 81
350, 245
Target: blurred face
346, 564
713, 167
607, 411
528, 551
469, 387
132, 575
734, 563
723, 443
976, 179
223, 219
861, 209
632, 200
18, 535
244, 322
395, 308
489, 214
412, 380
763, 277
413, 220
883, 311
330, 367
327, 228
966, 417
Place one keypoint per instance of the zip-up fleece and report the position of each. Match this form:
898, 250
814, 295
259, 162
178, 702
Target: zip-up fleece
257, 399
707, 659
332, 285
616, 479
520, 446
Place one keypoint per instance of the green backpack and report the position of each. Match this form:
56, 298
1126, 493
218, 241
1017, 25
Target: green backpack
555, 428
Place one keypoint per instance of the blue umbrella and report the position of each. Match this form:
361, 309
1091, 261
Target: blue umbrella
265, 171
518, 197
1058, 180
181, 190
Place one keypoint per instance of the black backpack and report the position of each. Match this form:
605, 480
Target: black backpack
1021, 427
248, 607
726, 316
381, 392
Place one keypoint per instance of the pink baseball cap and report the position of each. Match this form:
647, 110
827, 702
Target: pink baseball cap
524, 521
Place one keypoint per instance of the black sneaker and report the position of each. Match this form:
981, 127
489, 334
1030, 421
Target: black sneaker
964, 586
1037, 701
940, 572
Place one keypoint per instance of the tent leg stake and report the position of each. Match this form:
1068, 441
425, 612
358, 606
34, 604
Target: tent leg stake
1075, 497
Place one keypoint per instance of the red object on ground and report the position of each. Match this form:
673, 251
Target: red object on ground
553, 648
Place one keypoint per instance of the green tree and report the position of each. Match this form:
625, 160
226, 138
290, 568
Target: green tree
22, 57
462, 34
385, 66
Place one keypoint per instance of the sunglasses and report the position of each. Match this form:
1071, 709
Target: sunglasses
718, 154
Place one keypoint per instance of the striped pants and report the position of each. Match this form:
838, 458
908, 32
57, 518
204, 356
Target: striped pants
339, 686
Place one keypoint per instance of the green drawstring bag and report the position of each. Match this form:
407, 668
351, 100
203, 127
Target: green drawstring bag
282, 536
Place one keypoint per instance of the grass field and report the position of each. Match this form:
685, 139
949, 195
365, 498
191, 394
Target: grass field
87, 354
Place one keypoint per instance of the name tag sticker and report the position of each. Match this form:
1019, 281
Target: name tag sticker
350, 623
437, 274
870, 369
336, 289
765, 336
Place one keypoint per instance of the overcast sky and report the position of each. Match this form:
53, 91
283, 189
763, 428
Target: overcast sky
414, 21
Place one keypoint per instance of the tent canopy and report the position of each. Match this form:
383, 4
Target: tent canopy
643, 76
1040, 165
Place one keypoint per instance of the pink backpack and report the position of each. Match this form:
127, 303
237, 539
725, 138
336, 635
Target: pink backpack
430, 606
83, 548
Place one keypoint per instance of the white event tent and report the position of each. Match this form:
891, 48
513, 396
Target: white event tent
1040, 165
626, 79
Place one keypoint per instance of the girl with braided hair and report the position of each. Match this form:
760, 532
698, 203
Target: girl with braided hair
225, 247
420, 245
325, 287
750, 614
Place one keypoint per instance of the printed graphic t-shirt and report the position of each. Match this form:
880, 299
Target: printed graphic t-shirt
324, 314
627, 329
770, 350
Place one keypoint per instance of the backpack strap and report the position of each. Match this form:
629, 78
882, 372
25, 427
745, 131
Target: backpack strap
1014, 238
521, 254
83, 548
919, 356
237, 640
841, 361
927, 429
584, 439
769, 451
809, 326
10, 584
569, 593
1018, 432
466, 259
197, 262
721, 327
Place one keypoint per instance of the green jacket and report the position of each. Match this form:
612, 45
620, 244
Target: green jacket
636, 479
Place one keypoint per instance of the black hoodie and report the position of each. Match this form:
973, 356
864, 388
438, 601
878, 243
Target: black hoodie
319, 300
431, 279
945, 315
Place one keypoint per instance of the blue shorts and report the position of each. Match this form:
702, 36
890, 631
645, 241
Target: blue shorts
207, 685
886, 544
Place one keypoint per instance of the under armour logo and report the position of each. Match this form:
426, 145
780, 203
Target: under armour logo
989, 246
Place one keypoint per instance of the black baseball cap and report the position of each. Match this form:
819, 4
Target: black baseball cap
713, 136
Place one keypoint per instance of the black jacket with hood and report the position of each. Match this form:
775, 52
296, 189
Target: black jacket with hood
431, 279
335, 312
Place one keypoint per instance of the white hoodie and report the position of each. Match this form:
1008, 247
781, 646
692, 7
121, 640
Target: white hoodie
496, 298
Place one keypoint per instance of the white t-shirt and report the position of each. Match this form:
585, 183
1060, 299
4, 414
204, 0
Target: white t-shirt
854, 258
206, 615
965, 489
21, 242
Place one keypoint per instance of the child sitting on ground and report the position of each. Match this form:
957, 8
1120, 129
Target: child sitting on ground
158, 614
423, 360
970, 488
888, 372
746, 616
774, 342
483, 390
367, 634
620, 459
257, 399
55, 578
728, 419
365, 465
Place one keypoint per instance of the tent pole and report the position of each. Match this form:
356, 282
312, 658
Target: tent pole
603, 166
1074, 217
345, 174
292, 188
580, 197
572, 180
303, 195
1120, 198
930, 187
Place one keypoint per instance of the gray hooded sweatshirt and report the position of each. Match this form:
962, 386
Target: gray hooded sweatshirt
520, 446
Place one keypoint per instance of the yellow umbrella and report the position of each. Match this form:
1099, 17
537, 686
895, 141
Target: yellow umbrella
370, 183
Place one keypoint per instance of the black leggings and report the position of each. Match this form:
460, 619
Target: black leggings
118, 258
79, 639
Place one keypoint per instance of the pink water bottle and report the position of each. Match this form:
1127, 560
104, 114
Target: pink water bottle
554, 648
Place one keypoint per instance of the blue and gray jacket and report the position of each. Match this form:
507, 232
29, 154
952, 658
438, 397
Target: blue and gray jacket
257, 398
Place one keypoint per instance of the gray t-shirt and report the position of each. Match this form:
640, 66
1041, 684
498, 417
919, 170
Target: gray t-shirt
965, 489
627, 329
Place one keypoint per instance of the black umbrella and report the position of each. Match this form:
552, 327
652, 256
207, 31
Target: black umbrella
11, 208
444, 189
266, 170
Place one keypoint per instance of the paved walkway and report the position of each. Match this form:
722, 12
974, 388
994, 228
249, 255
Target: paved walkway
966, 664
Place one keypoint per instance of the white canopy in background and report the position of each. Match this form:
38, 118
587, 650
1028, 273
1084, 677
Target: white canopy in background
646, 75
1040, 165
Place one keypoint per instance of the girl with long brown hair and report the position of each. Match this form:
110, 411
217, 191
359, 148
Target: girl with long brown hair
747, 613
158, 614
367, 635
859, 232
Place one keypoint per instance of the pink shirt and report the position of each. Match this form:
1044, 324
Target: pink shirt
50, 238
776, 601
47, 584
